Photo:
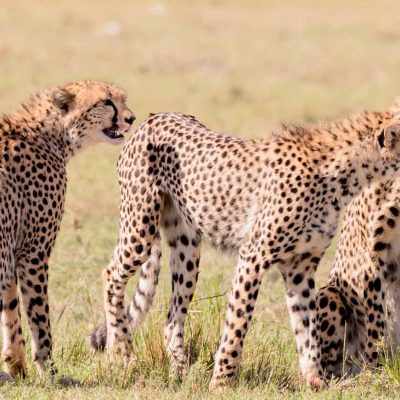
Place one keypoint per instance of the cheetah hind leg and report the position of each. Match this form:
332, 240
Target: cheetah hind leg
335, 323
13, 353
141, 300
184, 244
184, 263
5, 378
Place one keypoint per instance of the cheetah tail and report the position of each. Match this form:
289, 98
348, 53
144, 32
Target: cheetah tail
98, 337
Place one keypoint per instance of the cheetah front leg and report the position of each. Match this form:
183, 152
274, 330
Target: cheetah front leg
334, 319
184, 246
301, 302
383, 235
33, 280
13, 353
239, 313
374, 315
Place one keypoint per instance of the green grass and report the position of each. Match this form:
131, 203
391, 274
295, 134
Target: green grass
240, 67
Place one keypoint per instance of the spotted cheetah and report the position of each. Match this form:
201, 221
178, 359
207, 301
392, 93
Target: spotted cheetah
35, 144
273, 202
360, 306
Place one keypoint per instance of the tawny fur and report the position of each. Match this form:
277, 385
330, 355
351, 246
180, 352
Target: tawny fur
35, 144
274, 201
365, 312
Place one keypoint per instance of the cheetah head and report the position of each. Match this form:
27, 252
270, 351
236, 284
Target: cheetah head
93, 111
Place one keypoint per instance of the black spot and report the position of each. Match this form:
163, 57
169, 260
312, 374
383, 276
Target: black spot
13, 304
323, 302
39, 301
324, 325
379, 246
377, 284
189, 266
331, 330
298, 278
391, 222
381, 139
371, 318
185, 240
394, 211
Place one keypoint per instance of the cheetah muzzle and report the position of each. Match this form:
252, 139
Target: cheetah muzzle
114, 132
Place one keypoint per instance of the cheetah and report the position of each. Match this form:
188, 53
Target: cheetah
36, 143
359, 308
273, 202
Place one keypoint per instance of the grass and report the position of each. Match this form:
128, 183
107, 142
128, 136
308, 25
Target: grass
240, 67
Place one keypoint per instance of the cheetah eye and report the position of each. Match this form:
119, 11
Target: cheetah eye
108, 102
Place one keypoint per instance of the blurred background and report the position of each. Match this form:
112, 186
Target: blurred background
241, 67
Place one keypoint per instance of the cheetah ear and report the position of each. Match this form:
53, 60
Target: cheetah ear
389, 136
63, 99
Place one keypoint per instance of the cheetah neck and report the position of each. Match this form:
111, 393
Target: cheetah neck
40, 119
72, 143
35, 117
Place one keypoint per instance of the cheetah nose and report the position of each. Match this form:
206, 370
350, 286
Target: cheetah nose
130, 120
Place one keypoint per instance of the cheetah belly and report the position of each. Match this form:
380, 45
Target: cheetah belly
217, 224
228, 231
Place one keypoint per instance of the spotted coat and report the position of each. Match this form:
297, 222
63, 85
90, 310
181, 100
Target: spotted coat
273, 202
35, 144
359, 308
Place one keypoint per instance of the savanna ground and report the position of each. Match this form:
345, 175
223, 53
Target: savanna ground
240, 67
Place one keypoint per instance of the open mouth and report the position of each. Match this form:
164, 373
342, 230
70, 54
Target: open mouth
113, 133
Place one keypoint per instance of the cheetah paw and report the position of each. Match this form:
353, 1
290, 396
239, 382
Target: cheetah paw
220, 385
69, 382
314, 381
5, 378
